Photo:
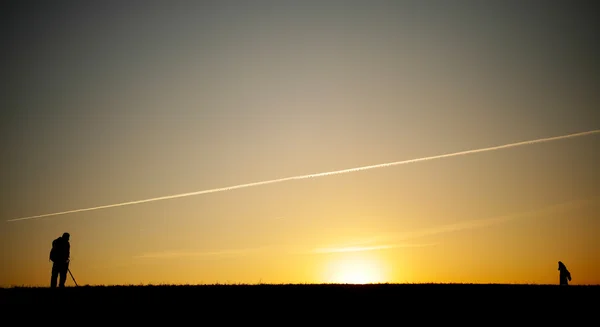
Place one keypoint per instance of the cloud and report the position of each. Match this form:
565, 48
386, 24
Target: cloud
343, 171
197, 254
370, 248
486, 222
442, 229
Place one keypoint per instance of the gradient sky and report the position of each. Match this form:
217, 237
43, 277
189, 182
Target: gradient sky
113, 101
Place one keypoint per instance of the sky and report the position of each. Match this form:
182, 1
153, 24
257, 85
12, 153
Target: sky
112, 102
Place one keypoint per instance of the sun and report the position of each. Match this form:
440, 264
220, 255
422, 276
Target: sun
355, 271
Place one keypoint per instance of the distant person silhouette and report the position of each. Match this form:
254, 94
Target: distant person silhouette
565, 275
59, 255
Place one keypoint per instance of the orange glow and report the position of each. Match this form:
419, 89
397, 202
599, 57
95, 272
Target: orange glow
366, 143
355, 270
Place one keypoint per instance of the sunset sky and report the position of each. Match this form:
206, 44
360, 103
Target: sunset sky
109, 102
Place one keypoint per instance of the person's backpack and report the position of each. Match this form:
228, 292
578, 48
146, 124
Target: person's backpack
53, 250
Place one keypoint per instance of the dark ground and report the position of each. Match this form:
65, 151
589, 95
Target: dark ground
378, 304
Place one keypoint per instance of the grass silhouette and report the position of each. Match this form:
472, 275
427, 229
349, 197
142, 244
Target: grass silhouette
322, 300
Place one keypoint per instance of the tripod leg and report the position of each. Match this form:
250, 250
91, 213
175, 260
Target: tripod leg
72, 277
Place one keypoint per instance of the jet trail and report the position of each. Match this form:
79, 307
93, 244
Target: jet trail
343, 171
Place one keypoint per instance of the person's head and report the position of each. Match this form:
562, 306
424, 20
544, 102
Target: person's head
561, 266
66, 236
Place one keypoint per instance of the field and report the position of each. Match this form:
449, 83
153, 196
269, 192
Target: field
263, 302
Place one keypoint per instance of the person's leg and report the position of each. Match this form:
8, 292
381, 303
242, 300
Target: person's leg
63, 274
563, 280
54, 276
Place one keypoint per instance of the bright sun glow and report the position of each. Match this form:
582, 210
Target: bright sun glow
356, 271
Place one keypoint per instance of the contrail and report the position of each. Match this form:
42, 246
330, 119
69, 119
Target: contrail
343, 171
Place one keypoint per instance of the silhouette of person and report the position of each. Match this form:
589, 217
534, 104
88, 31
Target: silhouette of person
59, 255
565, 275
